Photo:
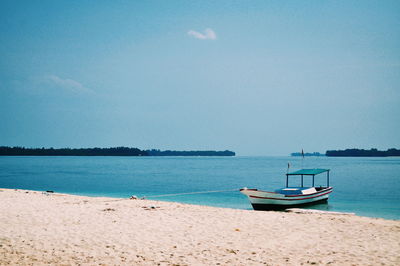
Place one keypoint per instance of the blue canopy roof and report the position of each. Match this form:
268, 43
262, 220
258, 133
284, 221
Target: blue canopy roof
309, 172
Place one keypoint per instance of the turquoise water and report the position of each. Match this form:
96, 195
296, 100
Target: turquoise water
366, 186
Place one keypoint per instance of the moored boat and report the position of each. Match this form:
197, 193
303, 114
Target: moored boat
290, 197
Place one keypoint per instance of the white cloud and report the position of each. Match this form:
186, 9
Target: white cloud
208, 34
68, 84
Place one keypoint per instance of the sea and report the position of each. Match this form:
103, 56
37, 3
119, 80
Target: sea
364, 186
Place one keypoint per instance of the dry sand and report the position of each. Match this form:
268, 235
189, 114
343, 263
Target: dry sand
37, 229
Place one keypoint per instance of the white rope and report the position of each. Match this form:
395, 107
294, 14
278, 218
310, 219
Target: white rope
190, 193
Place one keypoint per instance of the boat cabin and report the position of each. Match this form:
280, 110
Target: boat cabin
306, 172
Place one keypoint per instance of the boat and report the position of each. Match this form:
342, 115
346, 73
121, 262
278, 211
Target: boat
290, 197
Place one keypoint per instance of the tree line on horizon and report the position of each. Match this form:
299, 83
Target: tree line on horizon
363, 153
116, 151
352, 153
155, 152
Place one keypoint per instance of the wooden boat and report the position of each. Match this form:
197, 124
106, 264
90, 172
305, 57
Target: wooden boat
290, 197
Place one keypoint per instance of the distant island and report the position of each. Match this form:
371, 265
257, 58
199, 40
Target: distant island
189, 153
117, 151
307, 154
363, 153
353, 153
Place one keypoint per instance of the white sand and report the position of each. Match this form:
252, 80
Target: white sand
62, 230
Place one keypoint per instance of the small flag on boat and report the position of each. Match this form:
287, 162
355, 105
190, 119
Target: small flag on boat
288, 166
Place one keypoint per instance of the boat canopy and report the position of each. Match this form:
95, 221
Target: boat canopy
309, 172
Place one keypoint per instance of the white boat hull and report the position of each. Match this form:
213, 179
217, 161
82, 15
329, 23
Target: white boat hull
264, 200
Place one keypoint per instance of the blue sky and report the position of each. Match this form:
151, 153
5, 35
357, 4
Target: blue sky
256, 77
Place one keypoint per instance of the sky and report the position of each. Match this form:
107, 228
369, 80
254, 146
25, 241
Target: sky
255, 77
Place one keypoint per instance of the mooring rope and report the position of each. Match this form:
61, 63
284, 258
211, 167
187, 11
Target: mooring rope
175, 194
190, 193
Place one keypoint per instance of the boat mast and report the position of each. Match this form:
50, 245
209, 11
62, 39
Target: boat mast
287, 174
327, 179
287, 180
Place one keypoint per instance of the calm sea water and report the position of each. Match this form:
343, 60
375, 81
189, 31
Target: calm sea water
366, 186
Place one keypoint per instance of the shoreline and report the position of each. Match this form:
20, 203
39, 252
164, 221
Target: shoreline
39, 228
149, 198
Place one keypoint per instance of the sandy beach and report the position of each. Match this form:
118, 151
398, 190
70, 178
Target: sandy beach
39, 228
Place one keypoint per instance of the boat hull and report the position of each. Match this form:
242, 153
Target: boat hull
264, 200
275, 207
